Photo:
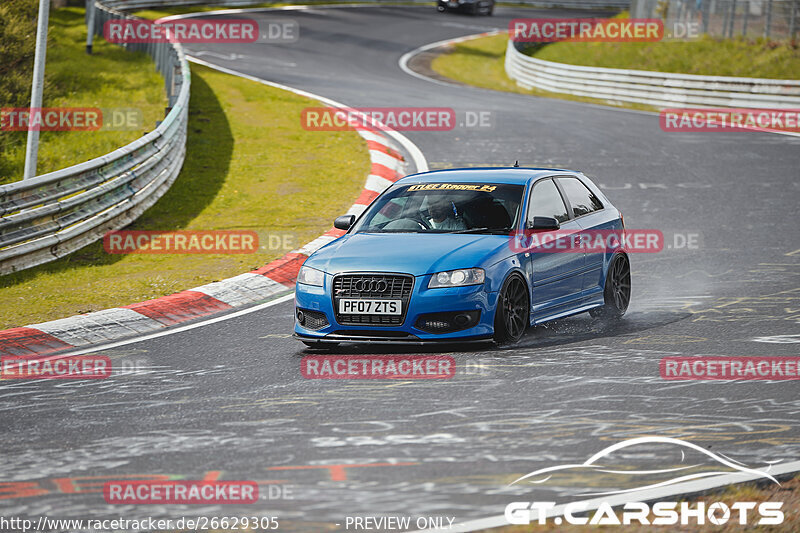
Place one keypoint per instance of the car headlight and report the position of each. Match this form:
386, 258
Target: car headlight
310, 276
457, 278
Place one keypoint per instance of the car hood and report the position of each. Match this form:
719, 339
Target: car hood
410, 253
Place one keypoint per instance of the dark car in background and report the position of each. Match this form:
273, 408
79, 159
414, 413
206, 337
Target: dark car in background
473, 7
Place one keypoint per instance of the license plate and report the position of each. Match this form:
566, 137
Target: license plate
369, 307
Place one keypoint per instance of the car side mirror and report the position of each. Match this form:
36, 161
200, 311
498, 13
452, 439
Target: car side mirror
544, 224
344, 222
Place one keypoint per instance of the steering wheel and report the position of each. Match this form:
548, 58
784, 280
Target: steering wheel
421, 221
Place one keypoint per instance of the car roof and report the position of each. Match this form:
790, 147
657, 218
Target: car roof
513, 175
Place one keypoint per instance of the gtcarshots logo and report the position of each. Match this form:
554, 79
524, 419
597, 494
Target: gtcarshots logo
659, 514
678, 462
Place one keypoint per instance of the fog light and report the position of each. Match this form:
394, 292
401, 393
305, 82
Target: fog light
301, 317
448, 322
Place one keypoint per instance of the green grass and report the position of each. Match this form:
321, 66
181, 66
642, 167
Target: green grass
481, 62
154, 14
110, 76
249, 165
706, 56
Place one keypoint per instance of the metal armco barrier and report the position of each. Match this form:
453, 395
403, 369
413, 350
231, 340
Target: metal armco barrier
49, 216
659, 89
774, 19
576, 4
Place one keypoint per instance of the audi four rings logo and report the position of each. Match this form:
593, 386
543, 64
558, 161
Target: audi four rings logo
370, 285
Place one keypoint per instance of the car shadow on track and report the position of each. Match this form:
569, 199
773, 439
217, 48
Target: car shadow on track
571, 330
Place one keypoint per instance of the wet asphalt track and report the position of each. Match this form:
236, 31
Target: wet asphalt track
229, 396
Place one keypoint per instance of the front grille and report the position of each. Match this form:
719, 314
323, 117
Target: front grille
388, 286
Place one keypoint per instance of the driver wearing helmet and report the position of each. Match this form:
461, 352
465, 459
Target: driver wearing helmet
444, 215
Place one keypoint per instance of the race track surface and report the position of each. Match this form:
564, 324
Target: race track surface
229, 397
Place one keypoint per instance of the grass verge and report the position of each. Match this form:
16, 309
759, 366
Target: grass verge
109, 76
248, 166
481, 62
788, 493
707, 56
154, 14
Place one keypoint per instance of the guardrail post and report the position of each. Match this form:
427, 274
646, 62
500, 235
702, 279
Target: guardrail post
768, 22
746, 17
62, 211
732, 19
89, 25
37, 86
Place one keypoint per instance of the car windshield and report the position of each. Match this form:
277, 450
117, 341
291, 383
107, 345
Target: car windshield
444, 208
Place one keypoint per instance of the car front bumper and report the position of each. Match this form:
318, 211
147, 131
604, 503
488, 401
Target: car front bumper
423, 302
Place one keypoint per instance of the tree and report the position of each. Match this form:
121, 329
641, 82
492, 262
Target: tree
17, 42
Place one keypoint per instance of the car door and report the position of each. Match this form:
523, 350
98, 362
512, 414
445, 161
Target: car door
594, 221
555, 276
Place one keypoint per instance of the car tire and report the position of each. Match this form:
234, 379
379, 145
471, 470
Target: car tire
440, 9
512, 316
617, 292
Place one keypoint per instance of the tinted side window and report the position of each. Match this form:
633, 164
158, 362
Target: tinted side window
583, 200
546, 201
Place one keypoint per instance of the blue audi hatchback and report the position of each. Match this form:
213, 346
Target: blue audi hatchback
467, 254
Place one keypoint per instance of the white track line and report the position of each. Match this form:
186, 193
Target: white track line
420, 163
660, 494
422, 166
403, 64
310, 7
179, 329
403, 61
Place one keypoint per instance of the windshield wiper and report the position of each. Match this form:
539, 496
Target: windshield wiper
481, 230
